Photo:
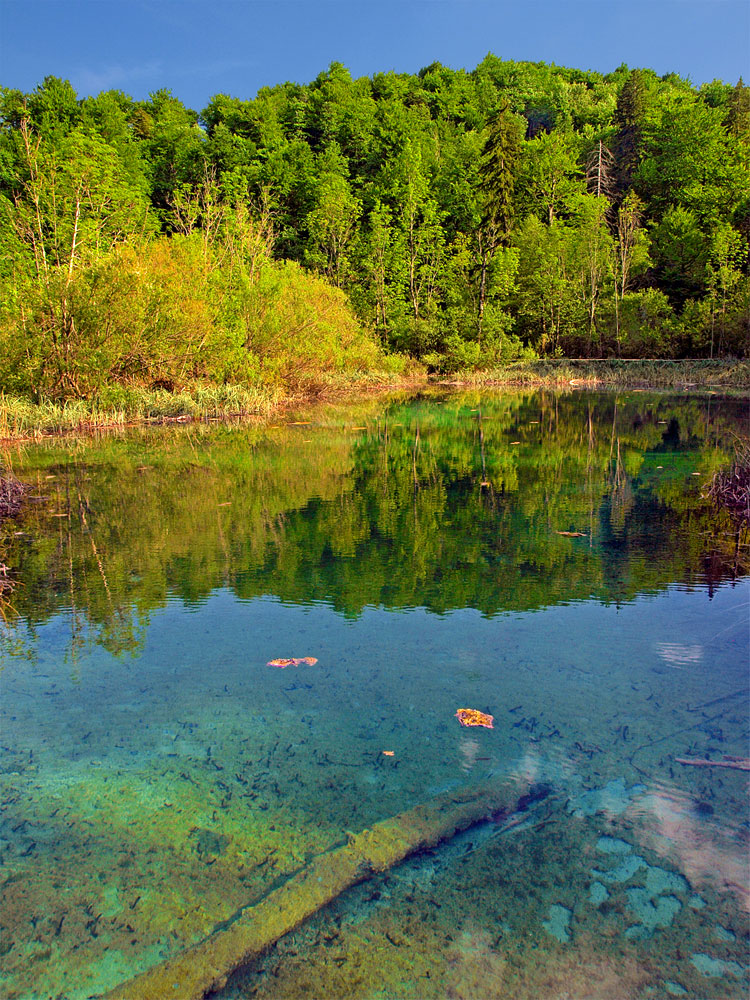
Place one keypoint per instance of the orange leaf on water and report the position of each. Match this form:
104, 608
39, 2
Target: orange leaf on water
473, 717
292, 661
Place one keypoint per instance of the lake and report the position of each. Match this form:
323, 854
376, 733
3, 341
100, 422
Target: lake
549, 559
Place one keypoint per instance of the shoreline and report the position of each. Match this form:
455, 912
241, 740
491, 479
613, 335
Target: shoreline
24, 421
616, 373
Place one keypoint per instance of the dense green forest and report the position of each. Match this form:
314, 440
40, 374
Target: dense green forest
457, 218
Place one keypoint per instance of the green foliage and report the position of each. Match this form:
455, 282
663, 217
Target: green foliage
143, 243
156, 315
299, 328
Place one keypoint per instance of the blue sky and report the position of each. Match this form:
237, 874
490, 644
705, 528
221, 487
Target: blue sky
198, 48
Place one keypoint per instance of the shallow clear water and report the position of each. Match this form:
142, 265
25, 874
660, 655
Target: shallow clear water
549, 559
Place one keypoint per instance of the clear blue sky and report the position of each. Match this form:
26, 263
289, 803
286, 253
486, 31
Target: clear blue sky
198, 48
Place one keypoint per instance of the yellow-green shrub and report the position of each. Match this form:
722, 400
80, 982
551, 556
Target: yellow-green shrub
165, 314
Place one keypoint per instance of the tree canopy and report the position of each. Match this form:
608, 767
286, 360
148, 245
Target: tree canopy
466, 217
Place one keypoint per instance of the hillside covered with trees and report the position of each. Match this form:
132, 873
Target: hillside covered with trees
459, 218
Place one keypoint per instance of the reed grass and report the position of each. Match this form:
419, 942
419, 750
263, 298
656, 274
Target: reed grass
730, 488
22, 418
722, 374
119, 406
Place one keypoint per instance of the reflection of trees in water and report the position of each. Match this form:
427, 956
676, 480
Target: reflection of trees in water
447, 503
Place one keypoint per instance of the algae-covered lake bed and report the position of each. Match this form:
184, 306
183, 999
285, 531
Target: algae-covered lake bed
550, 558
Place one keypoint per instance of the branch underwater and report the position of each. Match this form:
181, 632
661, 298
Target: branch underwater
443, 222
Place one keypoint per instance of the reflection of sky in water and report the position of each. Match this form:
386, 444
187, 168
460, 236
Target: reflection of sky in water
678, 654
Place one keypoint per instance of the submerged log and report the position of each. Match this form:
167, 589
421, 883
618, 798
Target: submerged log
207, 965
738, 763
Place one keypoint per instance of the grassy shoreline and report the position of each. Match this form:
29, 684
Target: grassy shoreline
700, 374
21, 419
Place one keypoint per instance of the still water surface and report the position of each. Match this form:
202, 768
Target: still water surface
547, 558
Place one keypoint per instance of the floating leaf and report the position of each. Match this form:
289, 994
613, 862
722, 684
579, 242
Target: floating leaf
292, 662
571, 534
388, 753
473, 717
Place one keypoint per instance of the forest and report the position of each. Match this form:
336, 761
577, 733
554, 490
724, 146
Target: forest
444, 221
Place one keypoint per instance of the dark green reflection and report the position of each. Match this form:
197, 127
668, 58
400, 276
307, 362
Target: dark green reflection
443, 501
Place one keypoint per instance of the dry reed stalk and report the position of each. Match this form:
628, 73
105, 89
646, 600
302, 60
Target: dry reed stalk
12, 493
730, 488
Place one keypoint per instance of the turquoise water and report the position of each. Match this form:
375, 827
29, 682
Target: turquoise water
549, 559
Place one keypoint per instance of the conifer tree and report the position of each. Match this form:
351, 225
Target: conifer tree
497, 171
500, 157
738, 118
628, 120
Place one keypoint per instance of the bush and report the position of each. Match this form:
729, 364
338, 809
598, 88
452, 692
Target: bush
648, 325
165, 315
298, 327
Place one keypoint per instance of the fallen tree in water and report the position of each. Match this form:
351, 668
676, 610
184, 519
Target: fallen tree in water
206, 966
738, 763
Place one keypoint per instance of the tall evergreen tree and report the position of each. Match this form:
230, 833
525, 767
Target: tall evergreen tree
738, 118
500, 159
498, 171
628, 121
